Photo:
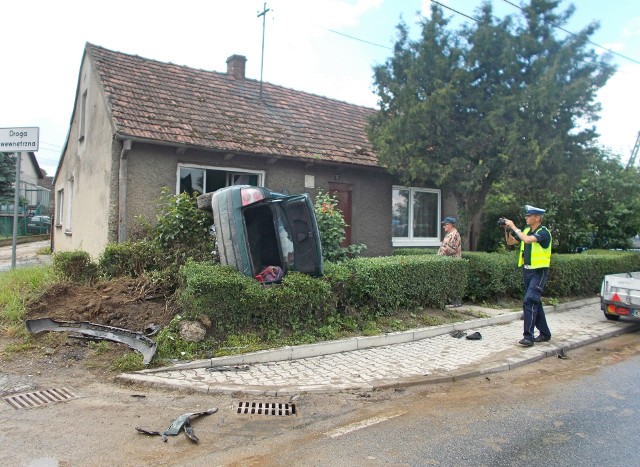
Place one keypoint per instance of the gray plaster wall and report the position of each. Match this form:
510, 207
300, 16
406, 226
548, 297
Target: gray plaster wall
85, 174
152, 167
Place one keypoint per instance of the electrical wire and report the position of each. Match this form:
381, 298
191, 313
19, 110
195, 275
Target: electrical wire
575, 35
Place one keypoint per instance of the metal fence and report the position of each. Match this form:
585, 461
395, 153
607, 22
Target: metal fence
34, 203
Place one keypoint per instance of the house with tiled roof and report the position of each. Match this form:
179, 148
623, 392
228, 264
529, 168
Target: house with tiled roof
139, 125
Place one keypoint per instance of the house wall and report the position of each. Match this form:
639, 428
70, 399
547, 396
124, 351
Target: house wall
85, 174
152, 167
27, 170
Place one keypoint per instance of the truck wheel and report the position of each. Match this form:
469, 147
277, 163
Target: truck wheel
204, 201
612, 317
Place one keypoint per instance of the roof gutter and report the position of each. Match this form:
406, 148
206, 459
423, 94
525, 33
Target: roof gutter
122, 191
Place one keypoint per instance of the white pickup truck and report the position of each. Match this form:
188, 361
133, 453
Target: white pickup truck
620, 295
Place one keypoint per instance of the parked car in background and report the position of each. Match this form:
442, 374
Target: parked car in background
258, 230
39, 224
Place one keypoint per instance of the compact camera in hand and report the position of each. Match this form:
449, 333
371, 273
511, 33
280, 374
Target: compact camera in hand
502, 222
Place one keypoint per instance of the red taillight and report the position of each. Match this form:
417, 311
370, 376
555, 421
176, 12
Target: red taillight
618, 310
250, 195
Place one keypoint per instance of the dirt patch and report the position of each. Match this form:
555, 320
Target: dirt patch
122, 303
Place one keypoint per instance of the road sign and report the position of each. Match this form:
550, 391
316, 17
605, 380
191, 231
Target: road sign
19, 139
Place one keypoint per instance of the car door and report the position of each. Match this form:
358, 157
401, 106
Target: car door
304, 234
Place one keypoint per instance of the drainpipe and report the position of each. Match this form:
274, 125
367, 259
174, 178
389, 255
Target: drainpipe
122, 192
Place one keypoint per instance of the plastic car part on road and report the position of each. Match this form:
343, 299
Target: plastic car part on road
135, 340
183, 422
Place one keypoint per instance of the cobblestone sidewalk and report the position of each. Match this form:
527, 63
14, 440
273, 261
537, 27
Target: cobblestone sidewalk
429, 360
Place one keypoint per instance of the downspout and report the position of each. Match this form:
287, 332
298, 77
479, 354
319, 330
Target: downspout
122, 192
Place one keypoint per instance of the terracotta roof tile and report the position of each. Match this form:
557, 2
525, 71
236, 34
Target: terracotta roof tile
177, 104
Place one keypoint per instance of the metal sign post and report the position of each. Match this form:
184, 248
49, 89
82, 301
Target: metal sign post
18, 140
16, 206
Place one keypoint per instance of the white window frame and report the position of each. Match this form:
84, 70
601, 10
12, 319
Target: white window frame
411, 240
229, 170
59, 207
82, 124
69, 204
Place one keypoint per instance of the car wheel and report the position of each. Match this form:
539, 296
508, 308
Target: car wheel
612, 317
204, 201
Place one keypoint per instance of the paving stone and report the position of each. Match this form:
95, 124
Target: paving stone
440, 358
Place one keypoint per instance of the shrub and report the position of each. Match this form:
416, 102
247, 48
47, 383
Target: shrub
382, 286
331, 225
235, 303
414, 251
127, 259
75, 266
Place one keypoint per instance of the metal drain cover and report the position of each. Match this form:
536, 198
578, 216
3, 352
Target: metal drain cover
266, 408
30, 400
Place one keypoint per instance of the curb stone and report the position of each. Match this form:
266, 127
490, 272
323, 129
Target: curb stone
359, 342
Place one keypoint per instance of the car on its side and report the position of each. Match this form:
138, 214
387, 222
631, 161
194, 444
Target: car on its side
257, 228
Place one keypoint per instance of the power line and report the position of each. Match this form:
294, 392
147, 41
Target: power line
575, 35
354, 38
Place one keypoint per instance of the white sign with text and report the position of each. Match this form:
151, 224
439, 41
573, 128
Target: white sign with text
19, 139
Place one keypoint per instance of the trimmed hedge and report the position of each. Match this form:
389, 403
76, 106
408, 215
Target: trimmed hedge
127, 259
235, 303
365, 288
382, 286
75, 266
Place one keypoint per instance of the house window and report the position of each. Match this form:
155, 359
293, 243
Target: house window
83, 116
415, 216
207, 179
59, 207
69, 203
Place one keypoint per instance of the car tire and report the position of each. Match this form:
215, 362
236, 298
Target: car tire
612, 317
204, 201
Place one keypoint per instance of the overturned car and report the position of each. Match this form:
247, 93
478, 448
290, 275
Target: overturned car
265, 234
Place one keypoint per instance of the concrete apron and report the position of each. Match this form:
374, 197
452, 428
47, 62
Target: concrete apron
163, 377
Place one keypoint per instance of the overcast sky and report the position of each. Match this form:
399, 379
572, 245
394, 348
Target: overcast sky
307, 47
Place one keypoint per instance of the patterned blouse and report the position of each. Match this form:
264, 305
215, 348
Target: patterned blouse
451, 245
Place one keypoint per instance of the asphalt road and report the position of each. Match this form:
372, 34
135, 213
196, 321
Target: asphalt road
26, 255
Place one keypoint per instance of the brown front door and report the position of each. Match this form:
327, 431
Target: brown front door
342, 191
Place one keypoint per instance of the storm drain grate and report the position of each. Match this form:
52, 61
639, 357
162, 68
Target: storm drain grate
266, 408
30, 400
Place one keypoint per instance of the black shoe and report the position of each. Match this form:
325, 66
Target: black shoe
476, 336
525, 343
542, 338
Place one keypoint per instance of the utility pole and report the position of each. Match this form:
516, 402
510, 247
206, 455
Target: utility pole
264, 17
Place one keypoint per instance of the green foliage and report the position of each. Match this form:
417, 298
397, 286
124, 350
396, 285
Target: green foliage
7, 178
414, 251
235, 303
331, 225
181, 233
128, 259
129, 361
171, 345
494, 100
382, 286
17, 287
75, 266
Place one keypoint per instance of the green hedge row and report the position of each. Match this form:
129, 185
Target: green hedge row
361, 288
495, 275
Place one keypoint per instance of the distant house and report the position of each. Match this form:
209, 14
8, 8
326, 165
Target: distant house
139, 125
34, 196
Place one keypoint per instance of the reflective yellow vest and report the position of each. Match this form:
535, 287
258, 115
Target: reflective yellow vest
540, 257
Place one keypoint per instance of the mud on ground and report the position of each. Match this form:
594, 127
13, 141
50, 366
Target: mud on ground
122, 303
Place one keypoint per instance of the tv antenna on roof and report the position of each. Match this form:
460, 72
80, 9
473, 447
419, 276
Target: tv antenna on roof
263, 13
634, 153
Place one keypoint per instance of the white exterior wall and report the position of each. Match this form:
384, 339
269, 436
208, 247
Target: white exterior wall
85, 174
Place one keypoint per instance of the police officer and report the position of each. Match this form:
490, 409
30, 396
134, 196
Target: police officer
534, 257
